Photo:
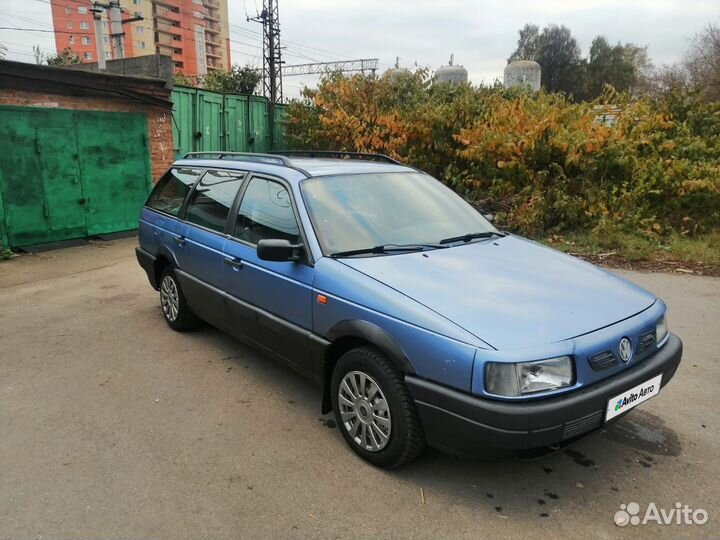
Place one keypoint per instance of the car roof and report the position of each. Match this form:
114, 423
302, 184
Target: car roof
296, 168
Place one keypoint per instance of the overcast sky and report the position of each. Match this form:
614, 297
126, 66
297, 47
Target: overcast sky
481, 33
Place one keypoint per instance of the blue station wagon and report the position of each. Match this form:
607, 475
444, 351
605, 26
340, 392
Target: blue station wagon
422, 322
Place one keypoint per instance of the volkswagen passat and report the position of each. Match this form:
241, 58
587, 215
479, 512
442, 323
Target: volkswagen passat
421, 321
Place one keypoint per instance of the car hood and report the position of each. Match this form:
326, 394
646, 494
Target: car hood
510, 292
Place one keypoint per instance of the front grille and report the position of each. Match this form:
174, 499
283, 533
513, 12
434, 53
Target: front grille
602, 360
582, 425
647, 341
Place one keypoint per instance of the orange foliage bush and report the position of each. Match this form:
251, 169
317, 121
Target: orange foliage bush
543, 164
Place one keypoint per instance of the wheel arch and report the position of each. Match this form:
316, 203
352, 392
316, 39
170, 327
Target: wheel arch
350, 334
163, 259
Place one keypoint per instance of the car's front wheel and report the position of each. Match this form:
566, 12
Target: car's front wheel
177, 313
375, 412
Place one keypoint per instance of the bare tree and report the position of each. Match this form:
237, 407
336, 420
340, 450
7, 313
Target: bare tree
702, 62
39, 56
664, 80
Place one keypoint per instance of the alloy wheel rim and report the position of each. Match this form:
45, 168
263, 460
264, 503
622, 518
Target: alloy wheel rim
169, 298
365, 411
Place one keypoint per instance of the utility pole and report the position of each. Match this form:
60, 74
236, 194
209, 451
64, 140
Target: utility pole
116, 31
272, 51
269, 17
97, 12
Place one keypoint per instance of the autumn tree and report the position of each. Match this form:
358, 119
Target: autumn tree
541, 162
180, 79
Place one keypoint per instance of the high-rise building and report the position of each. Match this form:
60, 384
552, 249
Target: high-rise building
193, 32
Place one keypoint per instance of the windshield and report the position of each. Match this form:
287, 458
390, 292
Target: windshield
351, 212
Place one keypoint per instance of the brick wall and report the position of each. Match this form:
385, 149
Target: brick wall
159, 119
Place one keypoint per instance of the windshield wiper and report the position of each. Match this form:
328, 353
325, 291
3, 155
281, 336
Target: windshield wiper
471, 236
386, 248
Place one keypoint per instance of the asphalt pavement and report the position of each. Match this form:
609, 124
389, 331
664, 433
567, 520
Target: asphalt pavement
114, 426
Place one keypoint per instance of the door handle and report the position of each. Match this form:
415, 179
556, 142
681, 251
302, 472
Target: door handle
180, 241
235, 263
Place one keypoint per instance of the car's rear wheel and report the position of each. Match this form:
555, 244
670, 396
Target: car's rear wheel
374, 410
175, 309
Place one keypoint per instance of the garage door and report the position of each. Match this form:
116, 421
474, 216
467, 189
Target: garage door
69, 174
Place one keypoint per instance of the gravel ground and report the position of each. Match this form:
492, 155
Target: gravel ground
114, 426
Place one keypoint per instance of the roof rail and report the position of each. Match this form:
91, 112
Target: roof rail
242, 156
337, 155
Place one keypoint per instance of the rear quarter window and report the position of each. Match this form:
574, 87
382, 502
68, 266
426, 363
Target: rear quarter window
211, 201
170, 192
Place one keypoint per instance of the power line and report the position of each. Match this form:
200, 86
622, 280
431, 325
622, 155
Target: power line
328, 53
83, 2
41, 30
249, 33
7, 13
22, 45
255, 34
239, 29
298, 50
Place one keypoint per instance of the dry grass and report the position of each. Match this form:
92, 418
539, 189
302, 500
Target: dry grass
676, 253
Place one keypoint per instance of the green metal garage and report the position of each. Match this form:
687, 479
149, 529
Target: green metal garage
212, 121
70, 174
67, 172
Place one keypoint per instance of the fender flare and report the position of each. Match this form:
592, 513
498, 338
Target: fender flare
165, 253
369, 332
376, 336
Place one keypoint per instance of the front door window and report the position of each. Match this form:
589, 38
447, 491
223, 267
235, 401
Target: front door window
266, 212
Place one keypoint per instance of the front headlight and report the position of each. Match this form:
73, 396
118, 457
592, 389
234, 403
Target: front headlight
661, 329
513, 380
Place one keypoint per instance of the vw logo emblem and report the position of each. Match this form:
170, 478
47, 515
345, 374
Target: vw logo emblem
626, 351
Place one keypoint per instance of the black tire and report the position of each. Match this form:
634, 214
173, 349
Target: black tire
406, 440
184, 319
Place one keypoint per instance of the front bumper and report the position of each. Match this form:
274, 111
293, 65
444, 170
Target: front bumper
462, 424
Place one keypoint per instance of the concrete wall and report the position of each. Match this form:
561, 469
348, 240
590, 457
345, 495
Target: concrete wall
154, 66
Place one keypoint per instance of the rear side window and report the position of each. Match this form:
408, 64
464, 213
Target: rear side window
266, 212
171, 190
211, 201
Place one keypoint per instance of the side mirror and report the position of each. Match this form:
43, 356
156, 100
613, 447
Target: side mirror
490, 217
275, 249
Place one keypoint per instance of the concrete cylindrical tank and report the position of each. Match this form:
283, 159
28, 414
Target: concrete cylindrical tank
522, 73
451, 73
396, 71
